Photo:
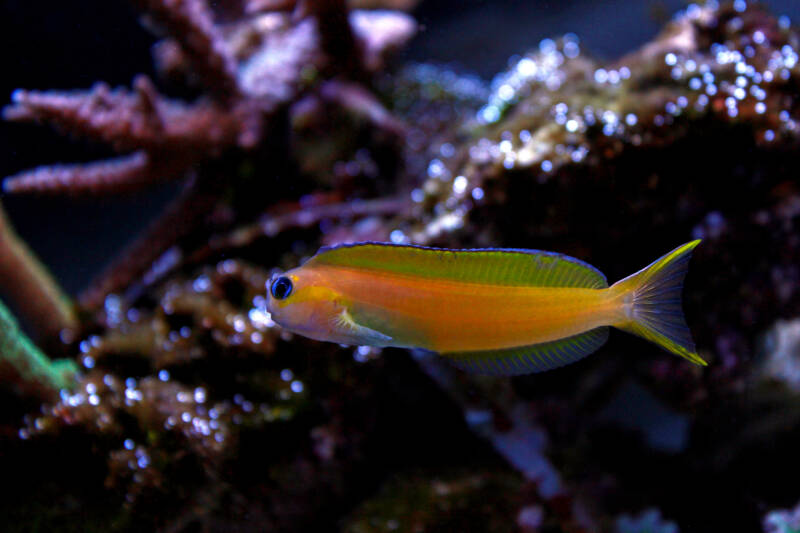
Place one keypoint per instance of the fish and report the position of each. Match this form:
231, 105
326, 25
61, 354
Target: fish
499, 311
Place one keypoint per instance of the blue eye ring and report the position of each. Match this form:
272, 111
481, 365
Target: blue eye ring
281, 288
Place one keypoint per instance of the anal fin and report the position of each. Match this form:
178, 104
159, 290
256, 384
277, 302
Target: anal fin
532, 358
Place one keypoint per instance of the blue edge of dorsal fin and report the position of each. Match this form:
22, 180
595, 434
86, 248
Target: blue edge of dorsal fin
532, 358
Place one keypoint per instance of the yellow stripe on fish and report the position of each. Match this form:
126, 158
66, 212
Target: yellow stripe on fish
493, 311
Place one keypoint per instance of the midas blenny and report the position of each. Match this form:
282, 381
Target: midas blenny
492, 311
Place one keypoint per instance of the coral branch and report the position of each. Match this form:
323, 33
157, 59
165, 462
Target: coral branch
34, 291
336, 35
381, 33
170, 60
142, 119
346, 37
275, 67
24, 365
191, 23
121, 174
179, 218
361, 103
302, 216
402, 5
258, 6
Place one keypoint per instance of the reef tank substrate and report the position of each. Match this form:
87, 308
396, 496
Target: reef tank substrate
161, 396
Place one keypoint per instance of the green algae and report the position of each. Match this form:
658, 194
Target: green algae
35, 372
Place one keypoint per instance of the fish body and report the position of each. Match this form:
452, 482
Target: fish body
499, 311
448, 316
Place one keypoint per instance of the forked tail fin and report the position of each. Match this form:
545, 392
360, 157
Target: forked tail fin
653, 303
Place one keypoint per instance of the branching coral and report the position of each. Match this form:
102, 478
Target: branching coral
253, 66
33, 290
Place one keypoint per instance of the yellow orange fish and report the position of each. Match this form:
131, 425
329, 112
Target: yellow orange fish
495, 311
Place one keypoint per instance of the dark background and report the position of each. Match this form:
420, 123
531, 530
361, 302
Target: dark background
65, 45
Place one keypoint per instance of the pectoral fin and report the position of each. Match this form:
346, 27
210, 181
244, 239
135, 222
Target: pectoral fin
362, 335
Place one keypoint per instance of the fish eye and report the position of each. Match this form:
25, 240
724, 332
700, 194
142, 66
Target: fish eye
281, 288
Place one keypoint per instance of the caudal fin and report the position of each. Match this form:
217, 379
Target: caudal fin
653, 303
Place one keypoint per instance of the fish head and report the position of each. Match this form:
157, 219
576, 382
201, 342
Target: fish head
301, 302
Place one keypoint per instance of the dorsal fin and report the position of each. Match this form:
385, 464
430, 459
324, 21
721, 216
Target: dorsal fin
501, 266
